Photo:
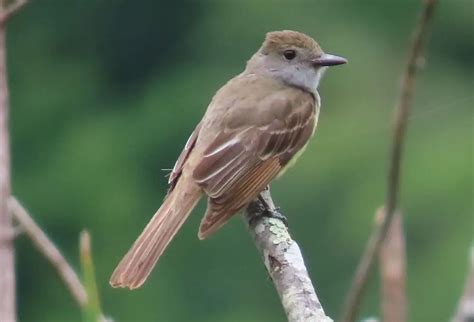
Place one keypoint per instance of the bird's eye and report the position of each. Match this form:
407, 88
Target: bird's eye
289, 54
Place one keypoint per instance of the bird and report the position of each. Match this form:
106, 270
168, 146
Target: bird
254, 128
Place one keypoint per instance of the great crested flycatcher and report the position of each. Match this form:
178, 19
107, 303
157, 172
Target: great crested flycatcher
254, 126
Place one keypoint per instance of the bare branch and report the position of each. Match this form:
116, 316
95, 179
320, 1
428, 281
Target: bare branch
7, 250
392, 260
50, 251
7, 264
402, 110
11, 10
465, 309
284, 262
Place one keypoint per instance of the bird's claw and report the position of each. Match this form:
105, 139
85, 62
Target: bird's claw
277, 215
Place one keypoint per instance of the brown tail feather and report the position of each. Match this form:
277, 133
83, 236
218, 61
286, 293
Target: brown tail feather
136, 265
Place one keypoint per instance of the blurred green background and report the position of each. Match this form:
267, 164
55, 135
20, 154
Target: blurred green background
104, 94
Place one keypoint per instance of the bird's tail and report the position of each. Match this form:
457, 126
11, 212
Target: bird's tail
136, 265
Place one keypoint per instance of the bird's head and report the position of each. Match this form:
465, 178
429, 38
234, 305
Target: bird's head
293, 58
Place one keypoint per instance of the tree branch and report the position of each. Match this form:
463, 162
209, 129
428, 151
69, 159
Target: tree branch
284, 262
465, 309
50, 251
402, 110
11, 10
392, 259
7, 251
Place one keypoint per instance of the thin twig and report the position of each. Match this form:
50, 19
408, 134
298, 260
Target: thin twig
11, 10
7, 251
284, 262
465, 309
392, 259
402, 110
50, 251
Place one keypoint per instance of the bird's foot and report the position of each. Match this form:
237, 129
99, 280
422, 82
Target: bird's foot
275, 213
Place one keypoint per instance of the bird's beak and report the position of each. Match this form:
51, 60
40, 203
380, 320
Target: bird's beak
328, 60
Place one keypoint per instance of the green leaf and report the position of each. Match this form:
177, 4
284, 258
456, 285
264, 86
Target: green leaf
92, 311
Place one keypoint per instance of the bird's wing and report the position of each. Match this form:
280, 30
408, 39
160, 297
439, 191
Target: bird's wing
243, 159
178, 166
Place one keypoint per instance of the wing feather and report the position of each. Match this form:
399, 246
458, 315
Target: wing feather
220, 210
240, 162
178, 166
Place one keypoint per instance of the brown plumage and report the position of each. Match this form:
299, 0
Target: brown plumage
285, 39
137, 264
254, 147
252, 128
